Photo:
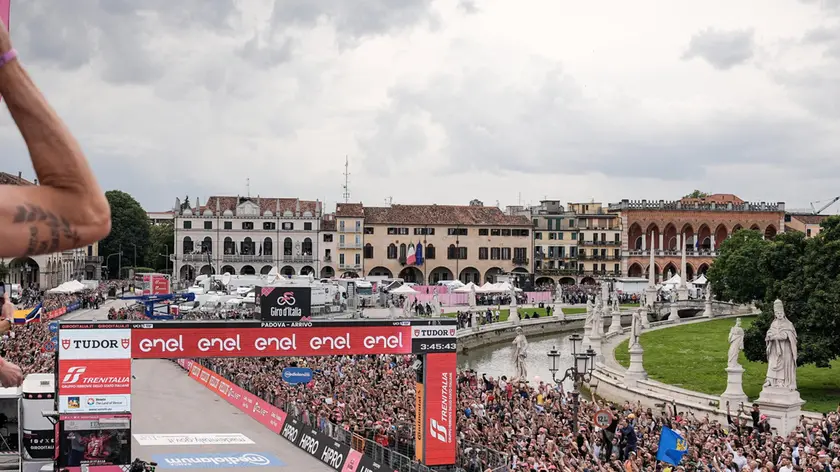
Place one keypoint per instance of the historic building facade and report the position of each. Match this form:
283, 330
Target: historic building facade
599, 240
699, 225
249, 235
471, 243
804, 223
349, 218
50, 270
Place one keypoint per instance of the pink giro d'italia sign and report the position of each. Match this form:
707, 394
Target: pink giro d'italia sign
5, 6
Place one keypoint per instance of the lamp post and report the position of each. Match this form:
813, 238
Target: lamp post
109, 257
579, 372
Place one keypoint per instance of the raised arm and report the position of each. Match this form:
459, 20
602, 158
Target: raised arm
68, 209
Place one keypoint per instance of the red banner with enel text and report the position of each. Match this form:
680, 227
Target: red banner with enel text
439, 441
169, 343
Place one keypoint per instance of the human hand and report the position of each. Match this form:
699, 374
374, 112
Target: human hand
10, 375
8, 310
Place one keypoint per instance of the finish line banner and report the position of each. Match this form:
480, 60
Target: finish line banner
189, 339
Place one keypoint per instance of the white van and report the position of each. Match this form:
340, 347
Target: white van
37, 433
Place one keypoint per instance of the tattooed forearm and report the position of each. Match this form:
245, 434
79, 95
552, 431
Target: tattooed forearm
44, 242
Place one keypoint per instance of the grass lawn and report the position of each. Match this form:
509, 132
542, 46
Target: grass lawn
694, 357
629, 305
505, 313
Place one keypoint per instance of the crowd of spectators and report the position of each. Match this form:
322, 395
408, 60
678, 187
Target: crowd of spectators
527, 427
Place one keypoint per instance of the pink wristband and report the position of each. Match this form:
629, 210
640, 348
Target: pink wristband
10, 55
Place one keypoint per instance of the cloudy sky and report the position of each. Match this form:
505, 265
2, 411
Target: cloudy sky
444, 100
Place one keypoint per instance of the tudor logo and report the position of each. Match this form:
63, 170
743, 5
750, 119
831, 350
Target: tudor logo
123, 343
434, 332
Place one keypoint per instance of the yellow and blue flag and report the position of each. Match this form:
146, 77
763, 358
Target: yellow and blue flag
672, 446
27, 315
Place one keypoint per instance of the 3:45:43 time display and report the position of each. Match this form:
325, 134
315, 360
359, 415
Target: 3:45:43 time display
437, 346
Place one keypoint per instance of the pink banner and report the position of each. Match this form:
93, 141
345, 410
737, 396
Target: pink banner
5, 10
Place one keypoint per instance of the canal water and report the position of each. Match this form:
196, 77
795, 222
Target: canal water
496, 360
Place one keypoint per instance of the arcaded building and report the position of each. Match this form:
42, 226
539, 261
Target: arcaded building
698, 224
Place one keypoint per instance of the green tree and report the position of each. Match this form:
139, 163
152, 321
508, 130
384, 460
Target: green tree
129, 232
738, 274
697, 194
803, 273
161, 245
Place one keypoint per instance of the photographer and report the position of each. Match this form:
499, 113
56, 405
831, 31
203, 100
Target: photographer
68, 209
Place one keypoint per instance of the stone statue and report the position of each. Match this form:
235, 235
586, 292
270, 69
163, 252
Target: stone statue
708, 291
636, 327
472, 300
435, 304
593, 316
781, 350
520, 353
615, 306
589, 304
558, 294
512, 295
736, 344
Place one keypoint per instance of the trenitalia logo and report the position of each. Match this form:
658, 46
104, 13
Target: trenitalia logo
438, 431
73, 375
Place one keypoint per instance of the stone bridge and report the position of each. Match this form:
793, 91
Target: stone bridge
693, 308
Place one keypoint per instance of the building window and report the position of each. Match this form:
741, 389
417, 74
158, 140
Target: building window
571, 222
287, 247
341, 259
520, 254
457, 231
341, 228
208, 225
520, 232
229, 247
368, 251
268, 247
535, 222
617, 253
307, 226
246, 247
247, 225
462, 253
574, 236
358, 228
452, 252
188, 245
358, 240
392, 251
495, 253
187, 224
306, 247
808, 232
398, 231
615, 268
506, 232
228, 224
430, 252
368, 229
341, 239
269, 226
483, 231
495, 232
482, 253
537, 235
424, 231
505, 253
402, 253
617, 238
328, 238
358, 259
288, 226
552, 236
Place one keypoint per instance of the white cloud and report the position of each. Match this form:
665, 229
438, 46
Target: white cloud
442, 101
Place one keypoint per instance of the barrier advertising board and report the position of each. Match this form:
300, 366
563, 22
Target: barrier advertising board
94, 360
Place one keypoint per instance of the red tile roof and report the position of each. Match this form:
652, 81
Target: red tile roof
9, 179
442, 215
350, 210
266, 204
328, 225
810, 219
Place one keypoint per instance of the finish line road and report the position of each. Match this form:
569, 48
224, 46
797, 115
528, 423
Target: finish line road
198, 424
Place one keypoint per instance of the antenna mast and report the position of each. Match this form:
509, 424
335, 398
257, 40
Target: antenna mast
248, 186
346, 185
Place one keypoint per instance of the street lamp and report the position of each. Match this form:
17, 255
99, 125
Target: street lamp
581, 371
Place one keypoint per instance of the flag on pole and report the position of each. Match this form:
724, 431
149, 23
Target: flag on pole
418, 254
672, 446
412, 255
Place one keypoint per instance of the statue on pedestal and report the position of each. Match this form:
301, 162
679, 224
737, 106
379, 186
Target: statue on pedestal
636, 328
593, 316
472, 300
435, 305
781, 350
520, 353
736, 344
615, 306
512, 295
558, 294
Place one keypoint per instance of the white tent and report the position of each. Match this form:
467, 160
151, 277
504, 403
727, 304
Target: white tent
404, 290
486, 288
466, 288
700, 280
675, 280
